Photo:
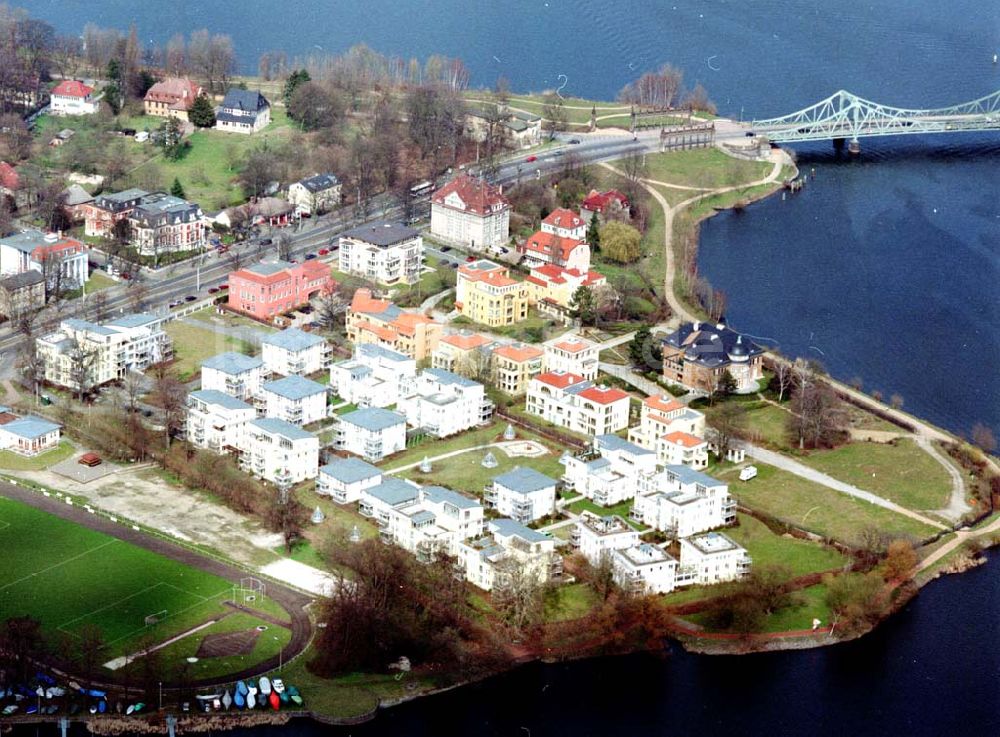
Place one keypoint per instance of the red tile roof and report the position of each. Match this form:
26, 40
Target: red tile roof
72, 88
606, 395
518, 352
178, 93
550, 244
480, 197
466, 342
574, 345
559, 380
597, 201
683, 438
563, 218
663, 403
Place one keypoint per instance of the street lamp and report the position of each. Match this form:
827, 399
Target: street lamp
281, 652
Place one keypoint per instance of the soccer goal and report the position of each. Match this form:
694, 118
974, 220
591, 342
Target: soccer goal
156, 618
250, 591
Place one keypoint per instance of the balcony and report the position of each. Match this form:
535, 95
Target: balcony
574, 537
556, 566
490, 494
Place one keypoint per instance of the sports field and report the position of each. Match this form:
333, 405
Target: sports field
67, 576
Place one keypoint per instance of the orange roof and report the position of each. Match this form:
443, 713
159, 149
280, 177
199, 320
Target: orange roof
663, 403
178, 93
594, 277
479, 196
683, 438
563, 218
72, 88
605, 395
536, 280
559, 380
466, 342
518, 352
551, 244
407, 322
597, 201
384, 333
362, 301
64, 244
575, 345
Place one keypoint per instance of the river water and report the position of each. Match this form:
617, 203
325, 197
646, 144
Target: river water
885, 267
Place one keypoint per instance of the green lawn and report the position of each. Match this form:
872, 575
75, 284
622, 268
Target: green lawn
207, 171
267, 645
337, 515
768, 549
810, 604
901, 472
230, 320
571, 601
765, 423
706, 168
433, 447
80, 577
99, 280
621, 509
817, 508
16, 462
192, 345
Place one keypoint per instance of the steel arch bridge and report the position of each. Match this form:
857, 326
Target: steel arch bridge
845, 115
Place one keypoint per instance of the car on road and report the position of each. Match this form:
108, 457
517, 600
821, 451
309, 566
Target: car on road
223, 286
574, 141
266, 241
446, 248
560, 152
324, 251
190, 298
531, 158
453, 264
470, 259
213, 290
310, 256
174, 304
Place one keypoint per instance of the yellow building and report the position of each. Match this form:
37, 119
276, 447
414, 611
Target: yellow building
380, 322
515, 365
486, 294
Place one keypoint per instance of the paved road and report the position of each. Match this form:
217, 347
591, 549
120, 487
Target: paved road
810, 474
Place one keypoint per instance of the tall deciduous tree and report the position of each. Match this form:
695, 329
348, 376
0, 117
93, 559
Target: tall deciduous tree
620, 242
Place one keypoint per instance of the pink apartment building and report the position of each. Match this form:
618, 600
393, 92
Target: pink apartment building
265, 290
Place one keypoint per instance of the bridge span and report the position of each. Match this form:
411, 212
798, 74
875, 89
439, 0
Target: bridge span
844, 115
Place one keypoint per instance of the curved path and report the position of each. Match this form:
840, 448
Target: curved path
293, 602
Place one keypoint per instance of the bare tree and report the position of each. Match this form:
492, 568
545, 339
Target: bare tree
171, 396
554, 115
331, 308
31, 364
783, 376
81, 368
818, 417
728, 424
634, 168
236, 256
99, 308
283, 244
519, 594
132, 387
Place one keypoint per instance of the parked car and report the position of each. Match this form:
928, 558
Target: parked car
213, 290
446, 248
324, 251
574, 141
531, 158
223, 286
454, 264
470, 259
266, 241
190, 298
310, 256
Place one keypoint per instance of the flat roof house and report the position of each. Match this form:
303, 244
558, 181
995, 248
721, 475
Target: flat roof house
383, 252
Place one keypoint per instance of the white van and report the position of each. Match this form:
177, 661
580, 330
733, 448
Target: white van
142, 136
748, 473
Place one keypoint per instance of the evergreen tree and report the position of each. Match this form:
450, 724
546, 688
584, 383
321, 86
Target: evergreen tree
594, 232
643, 351
202, 112
177, 189
583, 306
295, 79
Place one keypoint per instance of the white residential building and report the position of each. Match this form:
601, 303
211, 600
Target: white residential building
682, 502
609, 472
435, 523
387, 253
235, 374
29, 436
645, 569
379, 500
375, 377
372, 433
62, 261
597, 537
73, 97
294, 399
98, 354
278, 451
523, 494
508, 546
315, 194
444, 403
673, 430
294, 351
215, 420
712, 558
569, 400
572, 354
345, 479
471, 212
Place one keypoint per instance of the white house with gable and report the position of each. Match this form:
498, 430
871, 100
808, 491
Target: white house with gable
569, 400
572, 354
278, 451
379, 500
294, 351
435, 523
523, 494
375, 377
673, 430
215, 420
344, 479
235, 374
471, 212
294, 399
372, 433
444, 403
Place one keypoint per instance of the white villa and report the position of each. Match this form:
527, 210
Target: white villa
444, 403
387, 253
215, 420
235, 374
712, 558
682, 502
345, 479
434, 523
568, 400
571, 354
372, 433
379, 500
645, 569
278, 451
375, 377
523, 494
294, 351
471, 212
315, 194
610, 471
294, 399
508, 545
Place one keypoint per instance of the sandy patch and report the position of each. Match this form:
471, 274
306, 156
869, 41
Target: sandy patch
300, 576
